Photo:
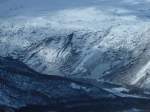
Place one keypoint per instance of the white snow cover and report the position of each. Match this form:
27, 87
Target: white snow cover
98, 39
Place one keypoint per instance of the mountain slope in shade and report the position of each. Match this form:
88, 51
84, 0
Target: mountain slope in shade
23, 90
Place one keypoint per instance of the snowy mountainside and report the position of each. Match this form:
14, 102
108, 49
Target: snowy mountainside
101, 40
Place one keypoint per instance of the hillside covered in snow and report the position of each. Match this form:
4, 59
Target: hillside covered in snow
98, 40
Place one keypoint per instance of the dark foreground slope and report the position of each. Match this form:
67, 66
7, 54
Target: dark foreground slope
23, 90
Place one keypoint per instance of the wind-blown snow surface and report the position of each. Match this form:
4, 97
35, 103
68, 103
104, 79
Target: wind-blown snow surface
101, 39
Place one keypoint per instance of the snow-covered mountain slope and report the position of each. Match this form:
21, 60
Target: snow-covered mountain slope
100, 39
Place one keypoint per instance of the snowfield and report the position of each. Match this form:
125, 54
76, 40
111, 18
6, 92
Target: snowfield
97, 39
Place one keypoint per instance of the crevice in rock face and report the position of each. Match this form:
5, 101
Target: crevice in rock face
67, 43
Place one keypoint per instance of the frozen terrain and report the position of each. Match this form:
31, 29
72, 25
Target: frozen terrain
90, 40
97, 39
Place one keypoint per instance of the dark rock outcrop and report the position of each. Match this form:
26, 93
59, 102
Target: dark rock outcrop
24, 90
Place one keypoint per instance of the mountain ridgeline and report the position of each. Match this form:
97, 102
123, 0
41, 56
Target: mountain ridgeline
74, 56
